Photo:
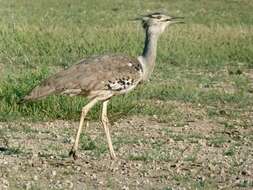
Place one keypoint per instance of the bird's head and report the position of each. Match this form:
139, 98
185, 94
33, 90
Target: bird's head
157, 22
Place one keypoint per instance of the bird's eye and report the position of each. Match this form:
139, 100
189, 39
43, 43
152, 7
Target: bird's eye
159, 17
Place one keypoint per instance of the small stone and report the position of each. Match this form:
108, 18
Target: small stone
30, 162
101, 183
94, 176
35, 178
28, 185
53, 173
202, 142
4, 183
35, 155
70, 184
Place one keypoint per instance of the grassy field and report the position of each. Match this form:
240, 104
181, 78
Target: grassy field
207, 61
204, 68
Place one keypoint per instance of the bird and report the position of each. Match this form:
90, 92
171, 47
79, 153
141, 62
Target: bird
100, 78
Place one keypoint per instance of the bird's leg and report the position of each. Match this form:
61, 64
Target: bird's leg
105, 123
85, 110
87, 125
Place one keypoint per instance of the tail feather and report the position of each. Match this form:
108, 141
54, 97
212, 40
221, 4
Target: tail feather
37, 93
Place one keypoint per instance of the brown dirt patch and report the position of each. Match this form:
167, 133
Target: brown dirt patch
151, 155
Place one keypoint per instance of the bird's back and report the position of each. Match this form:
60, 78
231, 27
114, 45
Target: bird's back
108, 73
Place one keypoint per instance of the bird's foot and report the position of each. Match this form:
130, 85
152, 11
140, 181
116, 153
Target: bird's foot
73, 154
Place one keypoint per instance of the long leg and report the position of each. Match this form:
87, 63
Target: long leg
105, 122
85, 110
87, 126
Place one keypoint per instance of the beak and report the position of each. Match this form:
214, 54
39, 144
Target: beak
176, 20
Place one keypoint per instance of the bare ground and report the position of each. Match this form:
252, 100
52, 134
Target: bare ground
151, 155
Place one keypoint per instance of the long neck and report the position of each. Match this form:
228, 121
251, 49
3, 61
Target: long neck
149, 54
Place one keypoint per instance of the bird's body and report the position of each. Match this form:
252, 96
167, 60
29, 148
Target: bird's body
102, 77
97, 77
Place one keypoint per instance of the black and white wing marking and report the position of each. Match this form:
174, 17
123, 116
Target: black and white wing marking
120, 84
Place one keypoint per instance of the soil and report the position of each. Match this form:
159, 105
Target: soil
150, 155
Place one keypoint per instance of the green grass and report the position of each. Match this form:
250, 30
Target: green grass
204, 62
96, 147
11, 151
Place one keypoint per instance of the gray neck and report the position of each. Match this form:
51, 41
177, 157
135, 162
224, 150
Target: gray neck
149, 54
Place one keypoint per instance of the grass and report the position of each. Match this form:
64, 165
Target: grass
205, 61
11, 151
95, 146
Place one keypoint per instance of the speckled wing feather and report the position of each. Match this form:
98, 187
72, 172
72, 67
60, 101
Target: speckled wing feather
116, 74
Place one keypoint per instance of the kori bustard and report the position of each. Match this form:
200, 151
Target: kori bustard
102, 77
